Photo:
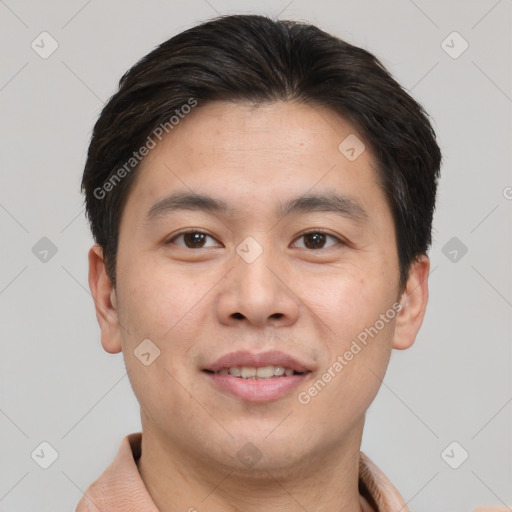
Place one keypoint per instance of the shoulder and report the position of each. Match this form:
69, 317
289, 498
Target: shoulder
120, 487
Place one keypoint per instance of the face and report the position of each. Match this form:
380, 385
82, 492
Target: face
291, 252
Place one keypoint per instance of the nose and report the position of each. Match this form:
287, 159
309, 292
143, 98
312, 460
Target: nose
257, 293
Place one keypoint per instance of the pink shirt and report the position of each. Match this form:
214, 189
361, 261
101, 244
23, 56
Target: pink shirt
121, 489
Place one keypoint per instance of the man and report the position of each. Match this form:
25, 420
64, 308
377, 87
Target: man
261, 196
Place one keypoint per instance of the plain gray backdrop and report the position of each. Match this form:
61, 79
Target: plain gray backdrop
58, 386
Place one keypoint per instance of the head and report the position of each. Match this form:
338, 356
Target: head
303, 179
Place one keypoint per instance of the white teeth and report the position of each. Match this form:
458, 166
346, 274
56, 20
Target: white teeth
246, 373
263, 372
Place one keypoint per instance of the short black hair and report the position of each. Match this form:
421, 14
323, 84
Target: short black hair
252, 58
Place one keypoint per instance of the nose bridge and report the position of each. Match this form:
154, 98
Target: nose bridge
255, 256
254, 290
254, 248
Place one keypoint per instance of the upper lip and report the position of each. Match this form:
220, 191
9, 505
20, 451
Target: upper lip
257, 360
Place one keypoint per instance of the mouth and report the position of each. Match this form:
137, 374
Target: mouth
262, 372
257, 377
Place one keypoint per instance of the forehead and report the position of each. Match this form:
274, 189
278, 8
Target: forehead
277, 127
257, 153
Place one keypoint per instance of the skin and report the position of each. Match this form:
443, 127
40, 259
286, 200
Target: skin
197, 304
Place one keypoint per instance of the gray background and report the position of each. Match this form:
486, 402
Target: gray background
58, 385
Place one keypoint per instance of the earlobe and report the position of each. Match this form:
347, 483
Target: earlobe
413, 304
105, 301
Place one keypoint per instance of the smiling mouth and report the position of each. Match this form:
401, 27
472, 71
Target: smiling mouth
259, 373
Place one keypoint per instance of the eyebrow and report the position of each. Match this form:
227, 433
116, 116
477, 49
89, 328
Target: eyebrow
330, 202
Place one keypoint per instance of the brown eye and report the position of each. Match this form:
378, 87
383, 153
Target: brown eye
317, 239
191, 239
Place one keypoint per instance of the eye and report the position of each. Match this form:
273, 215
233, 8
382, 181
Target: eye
316, 239
192, 239
195, 239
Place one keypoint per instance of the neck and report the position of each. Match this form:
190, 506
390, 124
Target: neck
180, 480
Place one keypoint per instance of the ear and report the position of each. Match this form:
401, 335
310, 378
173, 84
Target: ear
105, 301
413, 304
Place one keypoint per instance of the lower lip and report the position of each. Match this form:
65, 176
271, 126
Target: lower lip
257, 390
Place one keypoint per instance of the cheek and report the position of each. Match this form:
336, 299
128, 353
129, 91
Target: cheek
161, 301
350, 381
361, 327
349, 303
168, 307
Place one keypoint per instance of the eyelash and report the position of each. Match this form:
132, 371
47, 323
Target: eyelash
310, 232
